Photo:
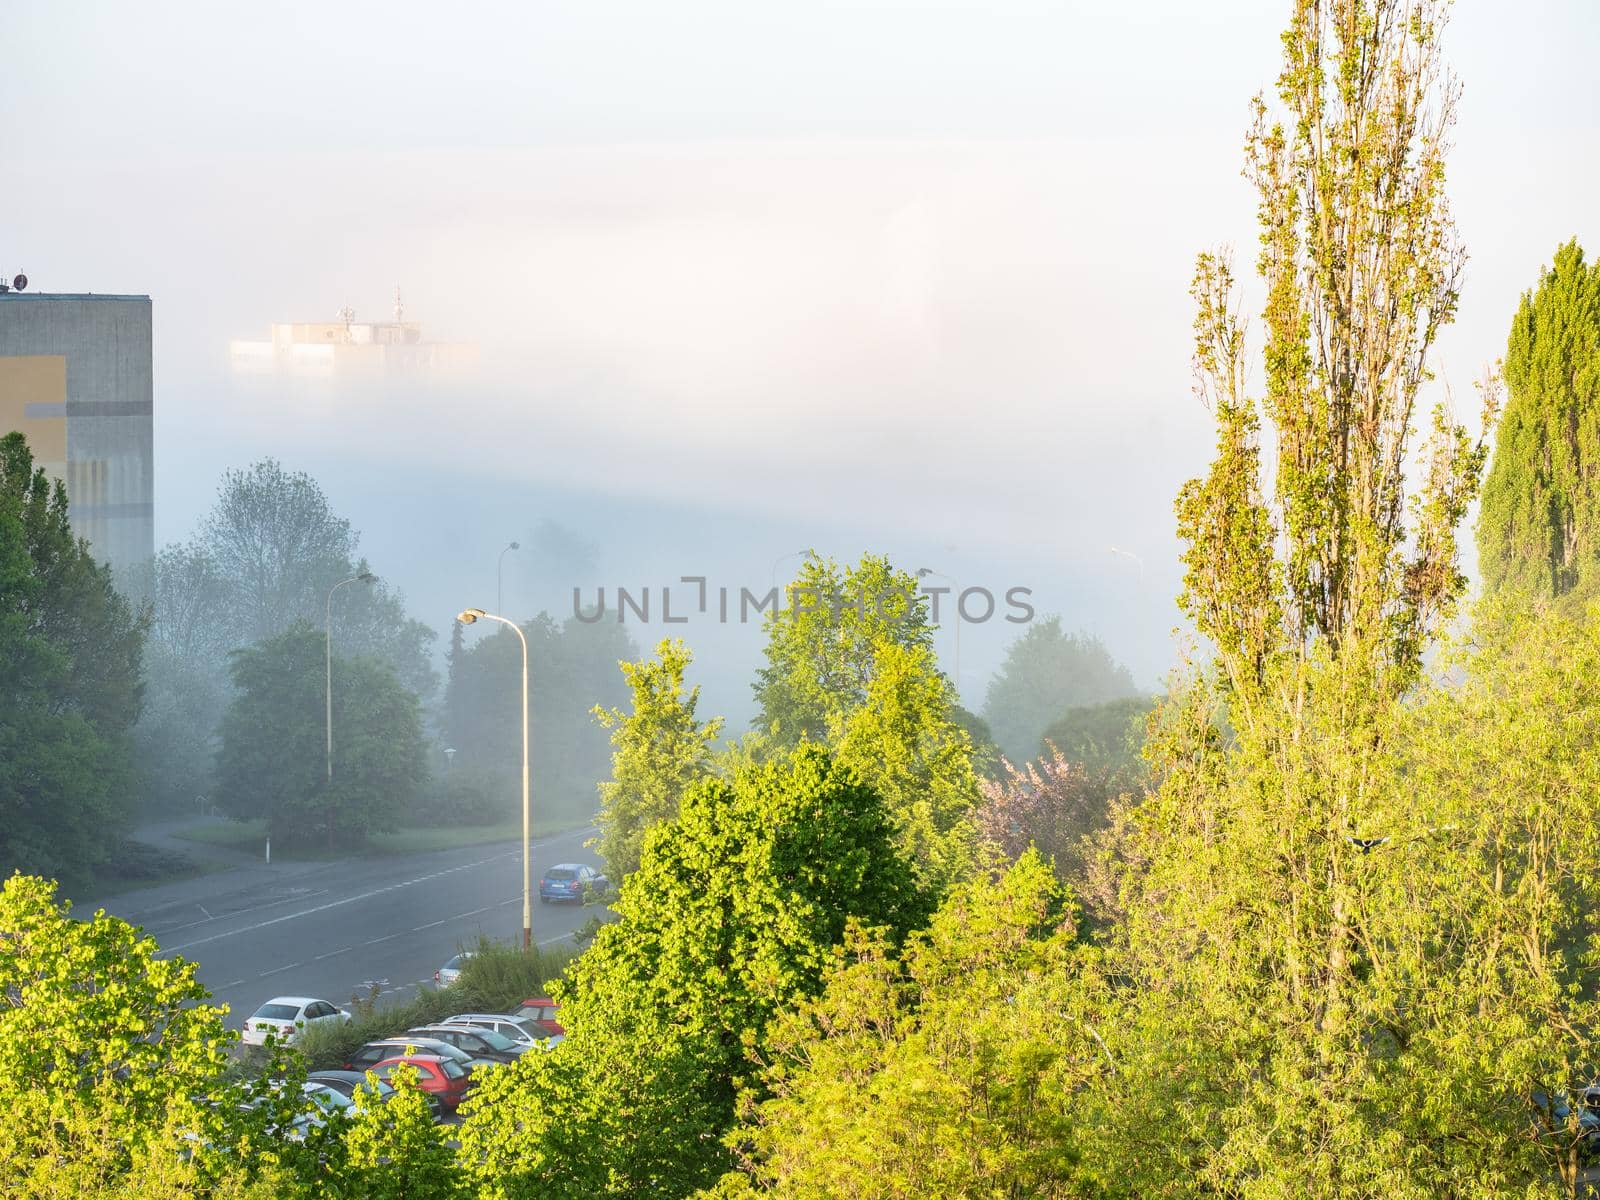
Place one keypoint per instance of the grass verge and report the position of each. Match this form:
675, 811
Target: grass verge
251, 836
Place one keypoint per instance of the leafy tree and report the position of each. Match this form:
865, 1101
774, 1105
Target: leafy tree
69, 677
947, 1069
730, 918
572, 667
272, 763
903, 742
850, 664
1102, 737
105, 1047
1288, 994
822, 646
263, 558
1539, 526
1045, 673
277, 547
660, 749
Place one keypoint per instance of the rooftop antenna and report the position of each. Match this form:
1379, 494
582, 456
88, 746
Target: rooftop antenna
399, 308
347, 314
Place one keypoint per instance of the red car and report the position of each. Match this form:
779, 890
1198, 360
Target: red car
543, 1012
442, 1078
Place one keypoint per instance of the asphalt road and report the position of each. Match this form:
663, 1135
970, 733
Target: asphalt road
331, 929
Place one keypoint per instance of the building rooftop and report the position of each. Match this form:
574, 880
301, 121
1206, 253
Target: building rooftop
67, 296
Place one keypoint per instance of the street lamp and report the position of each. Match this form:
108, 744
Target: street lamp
327, 647
468, 617
923, 573
499, 588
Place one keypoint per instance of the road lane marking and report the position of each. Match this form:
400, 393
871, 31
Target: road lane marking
234, 984
430, 925
277, 970
331, 953
386, 937
306, 912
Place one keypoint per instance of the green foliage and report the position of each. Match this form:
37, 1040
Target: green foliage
1045, 673
949, 1069
730, 918
1361, 267
903, 742
572, 666
1539, 526
272, 762
103, 1045
393, 1151
851, 665
69, 677
658, 750
822, 647
1102, 737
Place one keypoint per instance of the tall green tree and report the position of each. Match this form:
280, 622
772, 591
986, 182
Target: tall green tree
850, 665
904, 742
1047, 671
1539, 525
272, 762
1278, 969
70, 649
731, 917
823, 642
659, 750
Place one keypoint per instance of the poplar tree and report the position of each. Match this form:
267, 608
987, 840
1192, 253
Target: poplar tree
1539, 527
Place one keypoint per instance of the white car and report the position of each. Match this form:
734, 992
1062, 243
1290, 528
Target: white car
521, 1031
287, 1017
451, 971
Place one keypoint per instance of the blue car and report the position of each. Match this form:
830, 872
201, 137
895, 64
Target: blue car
570, 881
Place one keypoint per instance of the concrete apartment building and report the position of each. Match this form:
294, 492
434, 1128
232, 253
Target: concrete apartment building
75, 378
347, 350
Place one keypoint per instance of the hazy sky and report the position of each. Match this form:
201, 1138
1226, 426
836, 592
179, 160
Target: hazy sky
909, 276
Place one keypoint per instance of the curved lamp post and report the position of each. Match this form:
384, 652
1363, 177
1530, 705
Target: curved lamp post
468, 617
499, 586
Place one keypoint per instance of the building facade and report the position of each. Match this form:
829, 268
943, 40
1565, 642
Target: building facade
75, 378
347, 350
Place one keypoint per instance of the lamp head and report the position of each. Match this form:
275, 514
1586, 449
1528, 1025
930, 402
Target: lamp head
514, 546
924, 572
367, 577
468, 616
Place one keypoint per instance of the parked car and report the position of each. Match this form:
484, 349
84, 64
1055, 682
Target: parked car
523, 1032
366, 1057
477, 1040
542, 1011
348, 1083
570, 881
440, 1077
451, 971
287, 1017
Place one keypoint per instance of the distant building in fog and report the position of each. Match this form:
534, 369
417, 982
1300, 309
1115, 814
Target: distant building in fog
75, 378
347, 349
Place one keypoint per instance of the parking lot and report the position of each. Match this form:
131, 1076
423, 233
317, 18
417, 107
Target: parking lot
333, 929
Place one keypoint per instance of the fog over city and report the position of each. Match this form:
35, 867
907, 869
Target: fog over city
1173, 765
886, 276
